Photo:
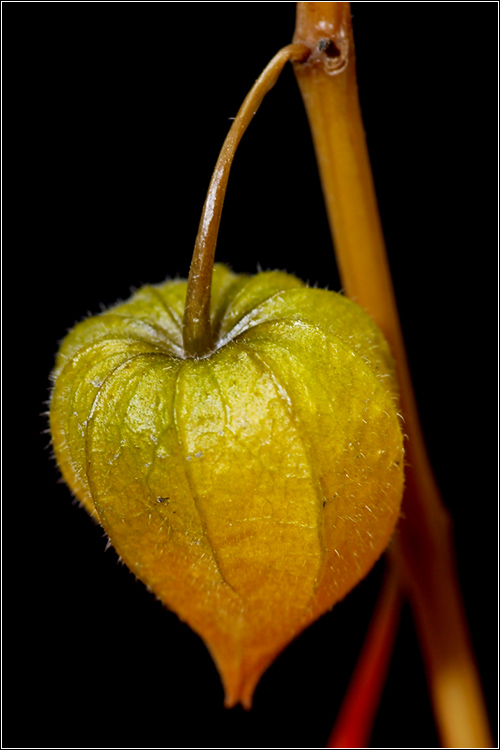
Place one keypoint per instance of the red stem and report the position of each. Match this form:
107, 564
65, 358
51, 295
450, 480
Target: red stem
357, 714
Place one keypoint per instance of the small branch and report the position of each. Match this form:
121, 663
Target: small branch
354, 723
327, 80
197, 333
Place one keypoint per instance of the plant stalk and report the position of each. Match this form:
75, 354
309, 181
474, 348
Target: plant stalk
355, 720
425, 551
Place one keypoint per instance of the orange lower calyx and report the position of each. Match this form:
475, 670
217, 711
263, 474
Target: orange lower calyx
252, 488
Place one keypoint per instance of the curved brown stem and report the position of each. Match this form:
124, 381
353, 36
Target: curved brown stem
197, 332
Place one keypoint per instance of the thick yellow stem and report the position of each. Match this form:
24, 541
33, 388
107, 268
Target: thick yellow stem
425, 553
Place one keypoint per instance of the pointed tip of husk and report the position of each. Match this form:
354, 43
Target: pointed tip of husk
241, 676
243, 695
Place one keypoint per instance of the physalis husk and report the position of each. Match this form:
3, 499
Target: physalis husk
250, 489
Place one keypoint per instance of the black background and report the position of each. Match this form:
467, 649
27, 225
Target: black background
114, 114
